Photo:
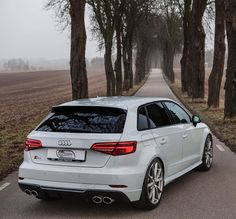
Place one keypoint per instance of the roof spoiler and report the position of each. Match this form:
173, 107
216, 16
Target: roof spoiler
89, 109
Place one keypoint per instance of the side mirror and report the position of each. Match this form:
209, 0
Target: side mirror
196, 120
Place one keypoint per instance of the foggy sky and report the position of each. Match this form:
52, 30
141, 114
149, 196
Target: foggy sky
29, 31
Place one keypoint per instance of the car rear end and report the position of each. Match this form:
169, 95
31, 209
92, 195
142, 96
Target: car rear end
82, 150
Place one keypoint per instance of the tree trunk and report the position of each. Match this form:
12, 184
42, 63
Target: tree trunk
126, 71
183, 62
130, 61
214, 81
127, 41
109, 68
197, 50
168, 60
78, 71
144, 60
230, 84
140, 62
188, 66
126, 65
189, 74
148, 61
118, 63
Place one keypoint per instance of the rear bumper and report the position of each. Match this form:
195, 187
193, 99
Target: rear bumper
82, 180
61, 192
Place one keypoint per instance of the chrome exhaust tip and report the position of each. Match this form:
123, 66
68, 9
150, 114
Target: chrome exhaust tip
108, 200
28, 192
35, 193
97, 199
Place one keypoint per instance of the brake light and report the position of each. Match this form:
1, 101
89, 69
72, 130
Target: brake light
115, 148
31, 144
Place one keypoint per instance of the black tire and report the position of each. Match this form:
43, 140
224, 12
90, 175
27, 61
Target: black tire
144, 201
207, 157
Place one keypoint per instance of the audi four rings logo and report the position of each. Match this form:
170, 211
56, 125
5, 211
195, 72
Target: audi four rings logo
64, 143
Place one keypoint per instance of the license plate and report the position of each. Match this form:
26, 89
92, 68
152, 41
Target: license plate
67, 155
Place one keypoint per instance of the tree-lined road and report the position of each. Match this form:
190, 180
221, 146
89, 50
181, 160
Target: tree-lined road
195, 195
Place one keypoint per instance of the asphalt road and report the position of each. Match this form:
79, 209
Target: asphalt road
207, 195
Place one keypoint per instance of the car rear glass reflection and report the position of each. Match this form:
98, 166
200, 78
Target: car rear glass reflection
85, 120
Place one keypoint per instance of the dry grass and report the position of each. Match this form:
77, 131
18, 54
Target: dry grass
224, 129
11, 145
25, 98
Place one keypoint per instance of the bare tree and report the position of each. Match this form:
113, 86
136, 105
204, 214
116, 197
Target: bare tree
120, 18
134, 12
105, 17
169, 33
130, 20
215, 79
230, 84
118, 62
196, 60
78, 47
193, 57
185, 12
72, 12
145, 45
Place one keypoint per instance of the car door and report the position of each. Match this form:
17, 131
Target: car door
191, 137
167, 137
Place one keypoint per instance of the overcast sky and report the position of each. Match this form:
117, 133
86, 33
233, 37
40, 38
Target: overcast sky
28, 31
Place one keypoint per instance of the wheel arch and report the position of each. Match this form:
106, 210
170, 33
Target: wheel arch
162, 163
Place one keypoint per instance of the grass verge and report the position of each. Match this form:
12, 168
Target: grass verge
11, 142
224, 129
12, 136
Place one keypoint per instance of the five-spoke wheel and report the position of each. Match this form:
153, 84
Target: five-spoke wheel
207, 157
152, 186
155, 182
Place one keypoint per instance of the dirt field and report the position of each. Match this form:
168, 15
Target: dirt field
27, 97
27, 94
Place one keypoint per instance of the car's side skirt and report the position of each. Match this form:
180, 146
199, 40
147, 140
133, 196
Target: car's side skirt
177, 175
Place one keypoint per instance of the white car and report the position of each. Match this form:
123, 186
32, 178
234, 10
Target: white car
111, 148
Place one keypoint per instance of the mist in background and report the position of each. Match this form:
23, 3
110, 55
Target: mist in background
31, 39
30, 32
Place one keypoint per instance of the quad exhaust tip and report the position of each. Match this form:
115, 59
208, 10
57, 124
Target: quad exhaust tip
99, 199
33, 192
96, 199
108, 200
28, 192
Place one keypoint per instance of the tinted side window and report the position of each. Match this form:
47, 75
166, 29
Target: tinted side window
178, 114
157, 115
142, 119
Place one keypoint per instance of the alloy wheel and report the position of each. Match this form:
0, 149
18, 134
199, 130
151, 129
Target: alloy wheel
209, 152
155, 182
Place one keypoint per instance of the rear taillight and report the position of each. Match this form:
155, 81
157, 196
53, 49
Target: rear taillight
115, 148
31, 144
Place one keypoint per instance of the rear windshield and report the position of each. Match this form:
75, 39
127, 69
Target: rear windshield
85, 120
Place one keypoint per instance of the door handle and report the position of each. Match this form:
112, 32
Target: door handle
185, 136
163, 141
